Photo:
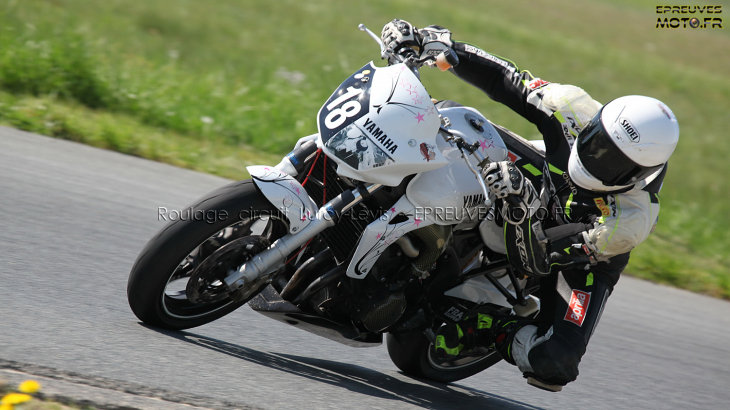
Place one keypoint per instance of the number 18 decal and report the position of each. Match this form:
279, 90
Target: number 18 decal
337, 116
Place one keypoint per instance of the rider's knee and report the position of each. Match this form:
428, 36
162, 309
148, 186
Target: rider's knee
550, 358
556, 361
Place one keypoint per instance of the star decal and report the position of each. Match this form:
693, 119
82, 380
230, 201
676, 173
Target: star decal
431, 110
378, 236
417, 221
419, 117
392, 209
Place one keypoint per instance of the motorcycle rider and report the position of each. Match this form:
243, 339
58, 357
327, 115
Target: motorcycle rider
604, 167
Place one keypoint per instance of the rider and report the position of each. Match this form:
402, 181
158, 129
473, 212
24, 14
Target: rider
604, 167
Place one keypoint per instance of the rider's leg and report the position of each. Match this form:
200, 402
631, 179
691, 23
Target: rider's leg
547, 351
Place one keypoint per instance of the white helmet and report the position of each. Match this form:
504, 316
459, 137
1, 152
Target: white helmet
628, 140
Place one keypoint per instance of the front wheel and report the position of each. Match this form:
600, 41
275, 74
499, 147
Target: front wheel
415, 355
177, 280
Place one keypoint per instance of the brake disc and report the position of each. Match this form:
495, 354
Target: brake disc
206, 283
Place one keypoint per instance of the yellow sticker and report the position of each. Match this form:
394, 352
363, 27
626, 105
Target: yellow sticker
366, 72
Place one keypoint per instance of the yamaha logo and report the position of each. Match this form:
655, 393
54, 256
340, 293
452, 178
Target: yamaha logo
630, 129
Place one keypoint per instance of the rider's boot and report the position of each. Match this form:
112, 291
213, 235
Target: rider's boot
485, 331
480, 331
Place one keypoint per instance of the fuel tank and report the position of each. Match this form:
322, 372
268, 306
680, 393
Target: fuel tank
452, 194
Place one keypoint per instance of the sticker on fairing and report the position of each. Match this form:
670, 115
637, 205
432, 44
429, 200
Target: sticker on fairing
427, 151
577, 307
513, 157
356, 149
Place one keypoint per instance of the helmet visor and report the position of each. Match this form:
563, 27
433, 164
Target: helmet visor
603, 159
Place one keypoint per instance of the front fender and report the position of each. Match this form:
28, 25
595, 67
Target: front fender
285, 193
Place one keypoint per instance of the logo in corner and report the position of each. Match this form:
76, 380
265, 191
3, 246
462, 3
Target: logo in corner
630, 129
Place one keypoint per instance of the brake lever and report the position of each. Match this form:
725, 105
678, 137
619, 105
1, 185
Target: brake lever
376, 38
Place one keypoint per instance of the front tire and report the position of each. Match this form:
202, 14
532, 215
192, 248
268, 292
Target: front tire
157, 284
414, 354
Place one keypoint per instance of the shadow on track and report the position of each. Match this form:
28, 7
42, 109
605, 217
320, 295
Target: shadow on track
422, 393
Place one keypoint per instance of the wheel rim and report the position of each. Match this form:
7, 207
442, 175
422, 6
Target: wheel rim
174, 298
466, 359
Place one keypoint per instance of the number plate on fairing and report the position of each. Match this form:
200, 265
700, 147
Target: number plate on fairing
381, 126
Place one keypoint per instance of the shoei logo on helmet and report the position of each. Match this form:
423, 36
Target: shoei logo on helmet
630, 129
577, 307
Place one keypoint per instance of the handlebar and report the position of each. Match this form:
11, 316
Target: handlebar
409, 56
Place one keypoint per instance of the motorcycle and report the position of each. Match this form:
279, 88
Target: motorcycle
379, 224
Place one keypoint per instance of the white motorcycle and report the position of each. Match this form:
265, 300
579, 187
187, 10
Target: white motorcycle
379, 224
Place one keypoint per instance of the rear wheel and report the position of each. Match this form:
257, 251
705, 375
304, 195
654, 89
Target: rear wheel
415, 355
177, 281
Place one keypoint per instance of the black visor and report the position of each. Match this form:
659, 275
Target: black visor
603, 159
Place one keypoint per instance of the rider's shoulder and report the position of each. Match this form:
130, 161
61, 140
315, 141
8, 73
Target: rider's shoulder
559, 97
573, 103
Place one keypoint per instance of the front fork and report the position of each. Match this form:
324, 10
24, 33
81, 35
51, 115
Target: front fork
283, 191
259, 269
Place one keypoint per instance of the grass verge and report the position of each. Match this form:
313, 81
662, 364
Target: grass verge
10, 399
73, 121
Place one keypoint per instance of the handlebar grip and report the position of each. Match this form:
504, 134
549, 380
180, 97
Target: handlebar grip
406, 53
512, 200
447, 59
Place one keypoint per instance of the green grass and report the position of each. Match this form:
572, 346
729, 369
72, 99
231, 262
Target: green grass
198, 83
124, 133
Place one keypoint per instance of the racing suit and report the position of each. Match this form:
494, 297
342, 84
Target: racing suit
593, 232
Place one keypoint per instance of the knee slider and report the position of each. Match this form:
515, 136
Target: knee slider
555, 361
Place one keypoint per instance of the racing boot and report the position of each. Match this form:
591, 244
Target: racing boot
480, 331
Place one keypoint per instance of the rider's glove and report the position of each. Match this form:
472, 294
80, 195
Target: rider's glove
400, 33
506, 182
432, 40
525, 240
571, 245
435, 39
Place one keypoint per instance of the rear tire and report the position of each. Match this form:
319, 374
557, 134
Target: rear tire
414, 354
157, 282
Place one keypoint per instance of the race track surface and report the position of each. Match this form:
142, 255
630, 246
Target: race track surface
73, 219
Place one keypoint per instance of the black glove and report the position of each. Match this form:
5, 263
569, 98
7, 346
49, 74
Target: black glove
570, 245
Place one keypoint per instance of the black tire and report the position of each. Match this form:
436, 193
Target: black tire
414, 354
182, 244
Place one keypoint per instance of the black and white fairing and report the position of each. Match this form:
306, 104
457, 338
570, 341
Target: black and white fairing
381, 126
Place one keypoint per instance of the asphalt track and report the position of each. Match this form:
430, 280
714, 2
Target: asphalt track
73, 218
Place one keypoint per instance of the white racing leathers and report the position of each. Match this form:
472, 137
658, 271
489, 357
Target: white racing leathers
590, 234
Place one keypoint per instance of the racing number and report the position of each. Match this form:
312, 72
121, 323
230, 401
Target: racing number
336, 117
